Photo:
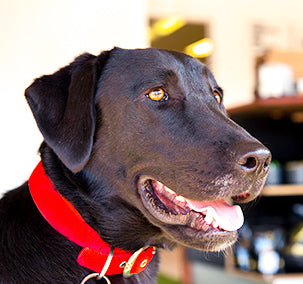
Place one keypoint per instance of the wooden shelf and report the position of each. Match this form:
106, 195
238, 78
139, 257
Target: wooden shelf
261, 106
283, 190
287, 278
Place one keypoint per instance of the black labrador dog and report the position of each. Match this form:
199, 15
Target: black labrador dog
138, 149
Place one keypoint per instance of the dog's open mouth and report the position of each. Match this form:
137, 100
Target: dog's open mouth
173, 209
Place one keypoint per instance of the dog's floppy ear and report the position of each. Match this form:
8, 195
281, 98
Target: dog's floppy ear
63, 105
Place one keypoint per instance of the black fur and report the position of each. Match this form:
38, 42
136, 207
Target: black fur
101, 133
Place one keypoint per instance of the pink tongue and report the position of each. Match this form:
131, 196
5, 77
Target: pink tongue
230, 217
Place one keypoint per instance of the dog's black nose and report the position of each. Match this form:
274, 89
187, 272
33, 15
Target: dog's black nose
255, 160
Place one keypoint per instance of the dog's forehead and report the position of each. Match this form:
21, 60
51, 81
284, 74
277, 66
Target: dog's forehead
155, 63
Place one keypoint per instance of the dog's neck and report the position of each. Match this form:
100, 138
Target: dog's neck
64, 218
98, 200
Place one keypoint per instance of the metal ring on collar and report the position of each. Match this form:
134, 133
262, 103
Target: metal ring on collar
101, 275
95, 275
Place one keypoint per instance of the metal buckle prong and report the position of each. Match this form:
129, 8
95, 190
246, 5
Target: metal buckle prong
107, 263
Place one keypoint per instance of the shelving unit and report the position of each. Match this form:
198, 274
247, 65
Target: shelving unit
288, 278
278, 123
268, 106
283, 190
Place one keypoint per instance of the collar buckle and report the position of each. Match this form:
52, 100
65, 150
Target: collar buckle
138, 261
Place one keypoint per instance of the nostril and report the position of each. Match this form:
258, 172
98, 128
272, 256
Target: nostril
248, 163
266, 164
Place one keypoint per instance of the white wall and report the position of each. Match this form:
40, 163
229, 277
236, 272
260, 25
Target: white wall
231, 28
37, 37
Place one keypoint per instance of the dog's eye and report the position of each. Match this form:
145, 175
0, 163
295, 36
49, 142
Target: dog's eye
218, 97
157, 95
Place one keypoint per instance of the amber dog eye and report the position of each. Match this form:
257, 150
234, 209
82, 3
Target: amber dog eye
157, 95
217, 97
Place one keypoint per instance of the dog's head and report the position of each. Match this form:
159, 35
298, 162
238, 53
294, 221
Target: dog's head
151, 124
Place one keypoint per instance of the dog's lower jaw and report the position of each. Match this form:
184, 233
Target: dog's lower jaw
197, 239
201, 241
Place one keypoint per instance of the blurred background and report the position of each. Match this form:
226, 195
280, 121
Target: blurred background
255, 50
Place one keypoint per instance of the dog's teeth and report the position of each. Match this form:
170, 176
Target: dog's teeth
215, 224
180, 199
169, 190
209, 218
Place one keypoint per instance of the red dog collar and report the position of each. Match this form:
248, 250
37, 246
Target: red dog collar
64, 218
